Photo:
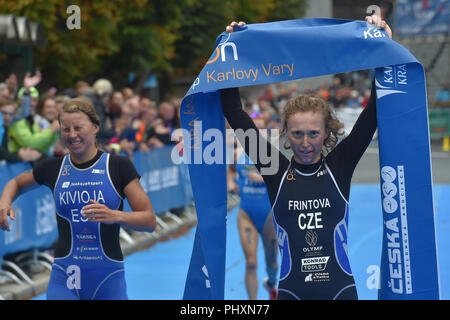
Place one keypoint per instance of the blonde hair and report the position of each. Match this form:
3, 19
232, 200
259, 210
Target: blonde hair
305, 103
83, 106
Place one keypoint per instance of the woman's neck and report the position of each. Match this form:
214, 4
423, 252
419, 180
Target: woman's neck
298, 162
79, 159
307, 168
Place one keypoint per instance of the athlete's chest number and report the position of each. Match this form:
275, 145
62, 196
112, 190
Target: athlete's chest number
311, 220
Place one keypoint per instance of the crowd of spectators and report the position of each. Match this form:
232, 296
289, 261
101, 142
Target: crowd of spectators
29, 127
345, 90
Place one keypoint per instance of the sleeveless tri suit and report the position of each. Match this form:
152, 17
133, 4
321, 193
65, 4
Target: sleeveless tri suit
88, 260
316, 218
310, 208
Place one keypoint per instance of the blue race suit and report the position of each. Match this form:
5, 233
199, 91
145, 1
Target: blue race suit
254, 197
86, 272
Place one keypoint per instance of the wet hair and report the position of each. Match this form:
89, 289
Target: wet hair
81, 105
306, 103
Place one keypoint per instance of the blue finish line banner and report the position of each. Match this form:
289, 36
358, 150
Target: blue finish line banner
34, 226
296, 49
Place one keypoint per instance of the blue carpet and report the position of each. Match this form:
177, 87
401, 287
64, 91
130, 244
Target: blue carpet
159, 272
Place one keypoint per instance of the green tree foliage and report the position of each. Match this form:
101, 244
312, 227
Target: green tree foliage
115, 36
146, 41
70, 54
204, 20
287, 9
141, 36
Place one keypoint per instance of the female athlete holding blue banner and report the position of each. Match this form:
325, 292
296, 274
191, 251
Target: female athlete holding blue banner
310, 193
88, 186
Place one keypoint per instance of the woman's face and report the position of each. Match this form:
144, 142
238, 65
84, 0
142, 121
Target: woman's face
306, 133
117, 98
78, 134
49, 110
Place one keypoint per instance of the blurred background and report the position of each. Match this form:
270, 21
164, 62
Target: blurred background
135, 60
164, 44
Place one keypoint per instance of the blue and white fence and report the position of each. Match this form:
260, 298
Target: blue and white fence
166, 183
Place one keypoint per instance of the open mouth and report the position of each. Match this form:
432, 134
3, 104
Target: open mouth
74, 143
306, 157
306, 154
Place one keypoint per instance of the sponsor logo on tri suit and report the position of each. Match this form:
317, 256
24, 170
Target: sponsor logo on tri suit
77, 257
85, 236
314, 264
322, 172
311, 239
85, 249
315, 267
317, 277
291, 175
66, 169
396, 228
82, 253
67, 184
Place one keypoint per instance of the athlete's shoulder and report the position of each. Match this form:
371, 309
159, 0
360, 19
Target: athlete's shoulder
47, 167
119, 160
48, 163
122, 171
